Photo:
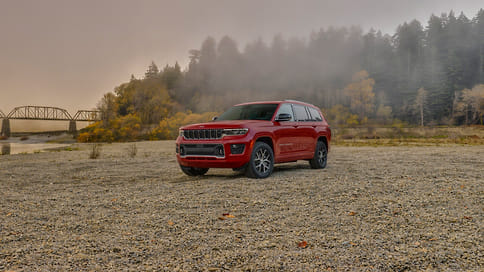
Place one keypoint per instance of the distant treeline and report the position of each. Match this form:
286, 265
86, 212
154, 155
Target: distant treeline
421, 75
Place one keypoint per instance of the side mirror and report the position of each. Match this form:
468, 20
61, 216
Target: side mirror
283, 117
214, 118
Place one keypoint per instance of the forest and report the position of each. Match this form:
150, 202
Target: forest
420, 76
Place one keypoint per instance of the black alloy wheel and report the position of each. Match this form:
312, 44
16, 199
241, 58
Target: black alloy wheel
261, 161
320, 158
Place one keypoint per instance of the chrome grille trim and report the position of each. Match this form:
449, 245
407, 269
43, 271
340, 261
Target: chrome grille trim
203, 134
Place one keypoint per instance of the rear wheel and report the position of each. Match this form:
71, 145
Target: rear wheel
261, 161
193, 171
320, 158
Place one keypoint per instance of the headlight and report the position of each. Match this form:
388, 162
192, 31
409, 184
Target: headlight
180, 132
235, 131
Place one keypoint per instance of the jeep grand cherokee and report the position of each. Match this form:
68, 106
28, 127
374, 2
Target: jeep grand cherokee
252, 137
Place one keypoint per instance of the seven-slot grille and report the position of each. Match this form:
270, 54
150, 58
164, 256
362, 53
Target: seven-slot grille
204, 134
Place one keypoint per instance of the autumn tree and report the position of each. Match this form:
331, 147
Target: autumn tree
108, 108
472, 104
362, 97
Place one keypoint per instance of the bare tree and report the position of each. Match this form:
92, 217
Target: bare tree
420, 102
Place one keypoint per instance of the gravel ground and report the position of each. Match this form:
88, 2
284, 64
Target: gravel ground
372, 208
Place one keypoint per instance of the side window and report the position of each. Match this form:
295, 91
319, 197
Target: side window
301, 113
286, 108
315, 115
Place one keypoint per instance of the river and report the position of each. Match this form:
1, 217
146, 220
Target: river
17, 148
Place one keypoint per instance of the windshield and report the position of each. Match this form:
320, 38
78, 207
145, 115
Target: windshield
250, 112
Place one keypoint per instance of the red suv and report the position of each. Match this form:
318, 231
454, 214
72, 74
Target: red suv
253, 136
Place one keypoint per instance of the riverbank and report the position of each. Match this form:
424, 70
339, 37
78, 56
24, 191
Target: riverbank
372, 208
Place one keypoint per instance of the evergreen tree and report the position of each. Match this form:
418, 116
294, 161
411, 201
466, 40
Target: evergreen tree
152, 71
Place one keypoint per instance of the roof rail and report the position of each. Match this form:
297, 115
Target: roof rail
292, 100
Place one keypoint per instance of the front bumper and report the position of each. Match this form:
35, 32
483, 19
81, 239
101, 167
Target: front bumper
220, 153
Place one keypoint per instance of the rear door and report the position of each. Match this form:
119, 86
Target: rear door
305, 130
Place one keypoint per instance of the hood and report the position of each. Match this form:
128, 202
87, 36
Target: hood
226, 124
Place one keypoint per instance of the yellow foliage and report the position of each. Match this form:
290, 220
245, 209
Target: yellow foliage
168, 127
341, 115
361, 93
125, 128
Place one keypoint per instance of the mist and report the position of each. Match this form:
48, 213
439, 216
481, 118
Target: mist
444, 56
68, 54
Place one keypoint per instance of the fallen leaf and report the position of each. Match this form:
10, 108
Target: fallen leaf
433, 239
9, 214
221, 218
468, 217
170, 223
230, 216
302, 244
114, 200
416, 243
353, 244
352, 213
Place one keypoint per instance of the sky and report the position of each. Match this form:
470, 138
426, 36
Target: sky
68, 53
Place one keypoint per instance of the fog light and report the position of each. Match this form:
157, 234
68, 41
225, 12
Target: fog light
220, 151
182, 150
237, 148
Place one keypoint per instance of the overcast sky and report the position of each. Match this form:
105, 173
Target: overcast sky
68, 53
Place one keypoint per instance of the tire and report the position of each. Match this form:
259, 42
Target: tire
320, 158
261, 161
193, 171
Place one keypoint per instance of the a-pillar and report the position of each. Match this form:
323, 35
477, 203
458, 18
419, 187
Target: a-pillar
72, 128
6, 127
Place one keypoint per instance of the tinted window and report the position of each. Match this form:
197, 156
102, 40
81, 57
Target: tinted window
300, 112
286, 108
315, 115
250, 112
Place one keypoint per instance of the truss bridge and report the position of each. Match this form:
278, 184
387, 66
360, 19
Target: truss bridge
47, 114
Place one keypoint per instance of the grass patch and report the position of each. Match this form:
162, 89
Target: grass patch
95, 151
132, 150
409, 136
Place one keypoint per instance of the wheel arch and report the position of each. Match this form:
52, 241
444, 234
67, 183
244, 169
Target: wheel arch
267, 140
324, 139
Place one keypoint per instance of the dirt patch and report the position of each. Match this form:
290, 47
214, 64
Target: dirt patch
372, 208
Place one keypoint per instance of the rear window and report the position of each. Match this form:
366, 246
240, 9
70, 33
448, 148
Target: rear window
301, 113
315, 115
249, 112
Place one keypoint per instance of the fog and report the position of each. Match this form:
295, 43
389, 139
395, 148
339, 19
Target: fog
68, 54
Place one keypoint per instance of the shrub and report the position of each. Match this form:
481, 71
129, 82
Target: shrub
132, 150
95, 151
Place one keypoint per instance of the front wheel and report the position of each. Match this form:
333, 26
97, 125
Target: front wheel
193, 171
320, 158
261, 161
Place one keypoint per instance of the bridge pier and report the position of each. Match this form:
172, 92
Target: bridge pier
72, 128
6, 127
5, 149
